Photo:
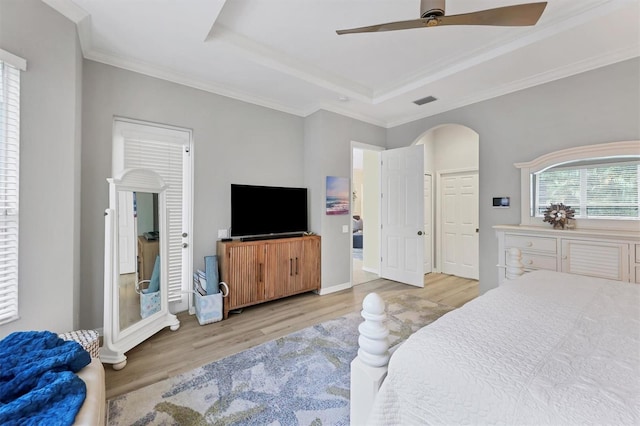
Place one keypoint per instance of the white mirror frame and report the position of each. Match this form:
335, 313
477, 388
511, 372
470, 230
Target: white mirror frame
604, 150
115, 341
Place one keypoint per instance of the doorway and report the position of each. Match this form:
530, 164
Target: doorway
452, 161
166, 150
365, 212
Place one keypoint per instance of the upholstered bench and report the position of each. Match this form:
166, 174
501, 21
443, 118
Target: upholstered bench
92, 411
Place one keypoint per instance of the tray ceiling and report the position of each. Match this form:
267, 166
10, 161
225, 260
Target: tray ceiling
286, 55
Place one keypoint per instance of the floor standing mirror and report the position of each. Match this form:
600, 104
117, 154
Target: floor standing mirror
135, 284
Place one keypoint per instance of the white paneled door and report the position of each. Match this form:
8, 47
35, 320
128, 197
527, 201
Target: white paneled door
459, 224
166, 151
402, 215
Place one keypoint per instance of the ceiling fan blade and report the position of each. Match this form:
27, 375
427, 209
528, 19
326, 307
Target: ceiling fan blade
389, 26
509, 16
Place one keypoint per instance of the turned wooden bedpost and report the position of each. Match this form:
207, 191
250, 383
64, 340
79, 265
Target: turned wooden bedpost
369, 368
515, 268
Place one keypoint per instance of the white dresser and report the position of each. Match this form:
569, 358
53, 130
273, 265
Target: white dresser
597, 253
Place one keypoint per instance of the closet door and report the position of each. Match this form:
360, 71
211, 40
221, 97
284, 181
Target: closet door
167, 151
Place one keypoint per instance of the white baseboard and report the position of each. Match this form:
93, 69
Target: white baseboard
328, 290
373, 271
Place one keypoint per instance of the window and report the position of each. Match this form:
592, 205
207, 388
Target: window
10, 67
599, 181
607, 190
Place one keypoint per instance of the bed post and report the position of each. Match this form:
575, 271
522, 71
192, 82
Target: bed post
515, 268
369, 368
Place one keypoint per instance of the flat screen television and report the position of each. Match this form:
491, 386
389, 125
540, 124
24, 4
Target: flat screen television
267, 210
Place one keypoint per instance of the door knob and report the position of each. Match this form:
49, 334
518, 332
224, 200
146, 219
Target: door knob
185, 235
419, 232
185, 245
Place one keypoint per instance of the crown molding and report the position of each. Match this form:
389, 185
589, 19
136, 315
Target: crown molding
347, 113
596, 61
216, 13
175, 77
579, 14
276, 60
68, 9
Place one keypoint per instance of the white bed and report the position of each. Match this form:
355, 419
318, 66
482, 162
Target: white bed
547, 348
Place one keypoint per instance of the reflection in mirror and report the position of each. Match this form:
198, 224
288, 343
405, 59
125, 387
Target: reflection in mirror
597, 188
138, 246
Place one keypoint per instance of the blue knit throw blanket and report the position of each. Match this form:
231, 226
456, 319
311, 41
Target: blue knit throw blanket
38, 384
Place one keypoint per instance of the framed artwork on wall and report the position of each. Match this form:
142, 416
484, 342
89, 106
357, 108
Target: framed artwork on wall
337, 195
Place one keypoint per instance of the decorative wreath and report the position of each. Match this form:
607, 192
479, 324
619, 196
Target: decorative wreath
558, 215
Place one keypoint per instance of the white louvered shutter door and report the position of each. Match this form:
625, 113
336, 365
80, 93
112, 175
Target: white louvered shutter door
166, 154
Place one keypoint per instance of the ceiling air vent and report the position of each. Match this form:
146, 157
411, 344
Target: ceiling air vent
425, 100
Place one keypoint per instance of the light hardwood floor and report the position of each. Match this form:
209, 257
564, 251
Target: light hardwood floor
169, 353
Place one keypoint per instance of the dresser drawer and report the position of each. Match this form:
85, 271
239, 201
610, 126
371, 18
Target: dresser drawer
536, 261
526, 242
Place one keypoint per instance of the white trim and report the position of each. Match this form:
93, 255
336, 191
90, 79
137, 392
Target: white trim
68, 9
603, 150
13, 60
371, 270
334, 288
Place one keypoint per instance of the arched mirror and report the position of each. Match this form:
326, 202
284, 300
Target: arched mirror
136, 290
599, 182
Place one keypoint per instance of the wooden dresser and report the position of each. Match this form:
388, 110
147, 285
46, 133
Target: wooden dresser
259, 271
147, 252
597, 253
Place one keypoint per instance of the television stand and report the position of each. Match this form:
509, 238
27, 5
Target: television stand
271, 237
262, 270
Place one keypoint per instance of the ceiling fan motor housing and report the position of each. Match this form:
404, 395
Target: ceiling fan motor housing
431, 8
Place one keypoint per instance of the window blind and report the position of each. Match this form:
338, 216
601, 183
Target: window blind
612, 191
9, 172
594, 191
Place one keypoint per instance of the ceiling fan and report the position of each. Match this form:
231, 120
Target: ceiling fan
432, 15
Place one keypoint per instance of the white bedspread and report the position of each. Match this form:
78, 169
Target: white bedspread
548, 348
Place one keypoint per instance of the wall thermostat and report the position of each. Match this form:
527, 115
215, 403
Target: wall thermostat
501, 202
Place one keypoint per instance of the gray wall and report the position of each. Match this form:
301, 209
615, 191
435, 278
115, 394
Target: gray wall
599, 106
239, 142
49, 164
234, 142
327, 151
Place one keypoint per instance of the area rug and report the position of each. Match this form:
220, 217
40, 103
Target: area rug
300, 379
